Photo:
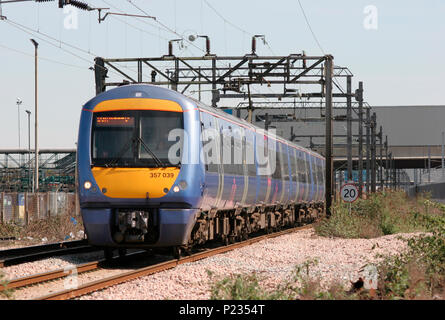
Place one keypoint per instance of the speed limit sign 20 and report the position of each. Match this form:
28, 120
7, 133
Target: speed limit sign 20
349, 192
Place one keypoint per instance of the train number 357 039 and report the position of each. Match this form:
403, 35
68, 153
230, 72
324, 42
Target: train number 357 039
161, 175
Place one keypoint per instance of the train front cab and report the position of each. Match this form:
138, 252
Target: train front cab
131, 194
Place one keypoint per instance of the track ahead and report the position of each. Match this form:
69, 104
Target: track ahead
15, 256
139, 272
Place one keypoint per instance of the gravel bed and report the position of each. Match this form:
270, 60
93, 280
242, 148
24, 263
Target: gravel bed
44, 265
46, 288
273, 259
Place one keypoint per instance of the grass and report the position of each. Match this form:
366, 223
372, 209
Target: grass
5, 293
382, 213
57, 228
299, 285
417, 273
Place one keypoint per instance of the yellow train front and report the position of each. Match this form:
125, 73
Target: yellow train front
132, 192
158, 169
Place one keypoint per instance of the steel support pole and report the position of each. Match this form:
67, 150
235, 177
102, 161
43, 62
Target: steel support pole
443, 155
390, 171
368, 149
139, 71
386, 162
349, 126
429, 164
36, 125
381, 157
100, 73
18, 116
214, 83
29, 152
394, 173
175, 76
329, 140
373, 153
360, 138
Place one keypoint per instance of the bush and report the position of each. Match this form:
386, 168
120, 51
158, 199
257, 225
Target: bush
418, 273
382, 213
55, 228
3, 283
298, 286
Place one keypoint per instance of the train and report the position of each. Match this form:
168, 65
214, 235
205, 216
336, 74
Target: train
158, 169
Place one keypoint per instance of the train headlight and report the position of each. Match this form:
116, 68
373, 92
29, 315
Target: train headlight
175, 189
87, 185
182, 185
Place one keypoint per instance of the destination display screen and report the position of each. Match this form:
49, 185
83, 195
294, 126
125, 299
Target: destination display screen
114, 121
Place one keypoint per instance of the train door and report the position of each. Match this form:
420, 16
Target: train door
277, 176
301, 176
294, 159
285, 178
244, 165
211, 158
220, 166
307, 173
320, 179
249, 157
264, 177
314, 177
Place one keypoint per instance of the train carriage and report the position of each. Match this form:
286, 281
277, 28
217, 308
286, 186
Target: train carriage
158, 169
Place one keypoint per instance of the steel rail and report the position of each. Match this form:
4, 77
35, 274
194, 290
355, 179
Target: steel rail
38, 278
24, 250
32, 253
130, 275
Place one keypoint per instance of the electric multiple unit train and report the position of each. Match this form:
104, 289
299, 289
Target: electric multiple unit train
159, 169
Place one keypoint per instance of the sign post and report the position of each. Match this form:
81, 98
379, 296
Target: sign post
349, 193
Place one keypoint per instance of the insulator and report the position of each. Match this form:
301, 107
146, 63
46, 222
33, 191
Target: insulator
80, 5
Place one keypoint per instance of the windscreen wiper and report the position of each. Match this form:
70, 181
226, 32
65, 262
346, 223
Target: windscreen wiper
124, 149
158, 161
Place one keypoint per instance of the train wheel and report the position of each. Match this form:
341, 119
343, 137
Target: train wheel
177, 252
226, 241
108, 254
188, 251
122, 252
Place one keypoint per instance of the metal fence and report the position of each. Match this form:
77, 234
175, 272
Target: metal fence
24, 207
434, 175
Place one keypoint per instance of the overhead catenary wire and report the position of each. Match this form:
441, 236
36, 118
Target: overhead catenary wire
43, 58
33, 33
235, 26
318, 43
88, 52
166, 27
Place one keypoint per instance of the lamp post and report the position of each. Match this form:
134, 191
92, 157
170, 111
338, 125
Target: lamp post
29, 149
19, 103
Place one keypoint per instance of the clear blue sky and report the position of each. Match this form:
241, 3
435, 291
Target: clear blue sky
401, 63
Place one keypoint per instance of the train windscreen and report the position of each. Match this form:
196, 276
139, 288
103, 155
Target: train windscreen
137, 138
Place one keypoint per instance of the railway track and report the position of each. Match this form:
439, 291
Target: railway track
15, 256
25, 281
105, 282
